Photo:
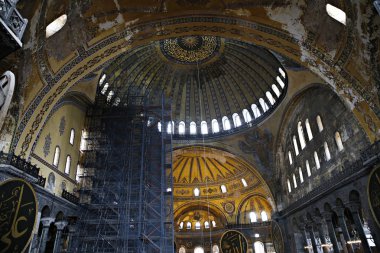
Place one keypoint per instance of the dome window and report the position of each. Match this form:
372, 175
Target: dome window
181, 225
264, 216
290, 158
213, 224
56, 156
336, 13
104, 89
68, 164
263, 104
236, 120
193, 128
244, 182
276, 90
270, 98
295, 145
215, 249
204, 128
226, 123
319, 123
252, 217
308, 130
102, 79
188, 225
56, 25
247, 116
181, 128
72, 136
182, 250
196, 192
317, 162
338, 141
159, 126
289, 186
169, 128
215, 126
301, 174
280, 82
197, 225
199, 250
168, 189
308, 168
327, 151
301, 136
294, 181
256, 111
110, 95
207, 224
223, 188
282, 72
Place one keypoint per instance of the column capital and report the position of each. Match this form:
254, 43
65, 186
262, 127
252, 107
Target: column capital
354, 207
339, 210
47, 221
61, 224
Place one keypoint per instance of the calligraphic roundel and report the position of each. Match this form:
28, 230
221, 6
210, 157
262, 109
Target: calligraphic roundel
18, 213
233, 241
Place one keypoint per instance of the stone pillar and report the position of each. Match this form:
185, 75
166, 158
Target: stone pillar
45, 230
304, 238
330, 227
57, 243
342, 224
72, 229
319, 225
312, 238
355, 208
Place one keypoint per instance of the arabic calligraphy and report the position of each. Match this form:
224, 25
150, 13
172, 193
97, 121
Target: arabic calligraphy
18, 211
233, 242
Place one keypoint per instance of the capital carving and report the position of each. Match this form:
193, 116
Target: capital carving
61, 224
47, 221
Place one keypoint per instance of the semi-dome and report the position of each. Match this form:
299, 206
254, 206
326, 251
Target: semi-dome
217, 85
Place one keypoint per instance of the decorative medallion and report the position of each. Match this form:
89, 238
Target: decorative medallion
51, 182
278, 241
229, 207
62, 125
47, 144
233, 241
194, 49
373, 191
18, 208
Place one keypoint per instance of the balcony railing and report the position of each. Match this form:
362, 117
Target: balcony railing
23, 165
12, 18
70, 197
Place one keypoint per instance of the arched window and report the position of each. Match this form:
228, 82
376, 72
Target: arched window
319, 123
207, 224
78, 173
338, 141
301, 136
282, 72
56, 156
159, 126
181, 128
72, 136
252, 217
188, 225
256, 111
308, 168
83, 141
215, 249
56, 25
181, 225
327, 151
215, 126
197, 225
110, 95
116, 102
226, 123
182, 250
236, 120
276, 90
263, 104
280, 82
270, 98
336, 13
308, 130
196, 192
289, 186
213, 224
193, 128
204, 128
295, 145
294, 181
316, 158
169, 128
264, 216
259, 247
301, 174
105, 88
247, 116
244, 182
223, 188
102, 79
68, 164
290, 157
199, 250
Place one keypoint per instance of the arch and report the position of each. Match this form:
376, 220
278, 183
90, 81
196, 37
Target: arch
57, 154
246, 115
72, 136
354, 196
301, 135
181, 128
193, 128
45, 212
226, 123
256, 111
253, 203
236, 120
215, 126
204, 127
68, 165
338, 141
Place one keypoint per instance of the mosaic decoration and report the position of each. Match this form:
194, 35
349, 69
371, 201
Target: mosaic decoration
47, 144
62, 125
229, 207
193, 49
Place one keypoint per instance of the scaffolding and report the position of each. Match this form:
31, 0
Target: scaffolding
126, 180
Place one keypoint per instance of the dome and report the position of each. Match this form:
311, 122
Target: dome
217, 85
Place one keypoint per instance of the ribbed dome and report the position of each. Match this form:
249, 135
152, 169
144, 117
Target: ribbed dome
207, 77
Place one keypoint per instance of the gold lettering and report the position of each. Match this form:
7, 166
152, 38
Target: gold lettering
15, 232
7, 241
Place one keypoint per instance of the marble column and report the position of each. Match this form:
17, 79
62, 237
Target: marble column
319, 225
72, 230
355, 209
312, 238
45, 230
330, 228
342, 224
57, 243
304, 238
